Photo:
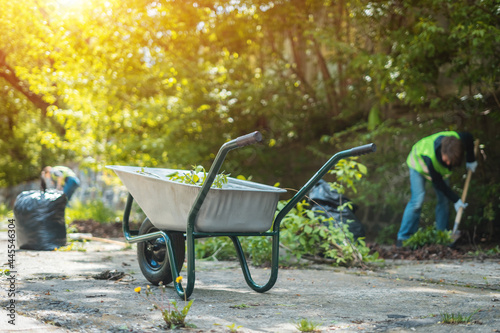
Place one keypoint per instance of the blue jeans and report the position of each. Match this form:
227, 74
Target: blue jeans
411, 216
70, 185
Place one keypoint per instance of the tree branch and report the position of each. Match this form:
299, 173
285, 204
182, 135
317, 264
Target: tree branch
37, 100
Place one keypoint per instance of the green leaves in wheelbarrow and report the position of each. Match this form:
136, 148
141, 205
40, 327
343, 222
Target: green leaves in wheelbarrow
193, 177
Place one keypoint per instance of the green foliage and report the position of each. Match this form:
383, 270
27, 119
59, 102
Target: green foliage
387, 234
257, 248
428, 236
306, 234
197, 176
189, 76
347, 172
5, 212
94, 210
214, 248
306, 325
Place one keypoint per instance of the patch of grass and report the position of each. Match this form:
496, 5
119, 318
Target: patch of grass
457, 318
306, 325
239, 306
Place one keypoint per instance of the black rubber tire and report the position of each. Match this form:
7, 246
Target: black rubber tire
153, 258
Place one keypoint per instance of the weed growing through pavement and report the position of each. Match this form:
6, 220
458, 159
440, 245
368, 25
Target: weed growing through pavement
486, 280
457, 318
5, 272
172, 315
233, 328
239, 306
306, 325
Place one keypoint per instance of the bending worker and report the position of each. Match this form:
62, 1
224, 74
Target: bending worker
63, 177
433, 158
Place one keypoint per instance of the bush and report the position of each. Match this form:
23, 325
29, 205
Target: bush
310, 236
94, 210
257, 248
428, 236
5, 212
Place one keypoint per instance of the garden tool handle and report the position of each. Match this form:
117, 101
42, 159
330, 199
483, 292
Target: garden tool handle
362, 150
464, 192
464, 196
248, 139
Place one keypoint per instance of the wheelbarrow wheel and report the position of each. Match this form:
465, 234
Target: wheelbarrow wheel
153, 258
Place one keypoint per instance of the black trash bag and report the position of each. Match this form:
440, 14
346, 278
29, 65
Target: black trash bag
325, 202
40, 223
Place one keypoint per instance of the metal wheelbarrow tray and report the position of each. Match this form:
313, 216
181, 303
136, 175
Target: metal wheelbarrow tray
239, 206
177, 214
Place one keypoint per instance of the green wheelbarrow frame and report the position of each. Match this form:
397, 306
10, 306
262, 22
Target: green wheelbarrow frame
132, 236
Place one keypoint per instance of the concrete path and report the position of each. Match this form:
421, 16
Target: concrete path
56, 292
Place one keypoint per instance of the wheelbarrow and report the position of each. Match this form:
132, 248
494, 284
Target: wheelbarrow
178, 213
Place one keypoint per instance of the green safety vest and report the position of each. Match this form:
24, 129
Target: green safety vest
425, 147
67, 172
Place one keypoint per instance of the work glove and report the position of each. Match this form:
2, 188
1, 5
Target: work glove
459, 204
471, 166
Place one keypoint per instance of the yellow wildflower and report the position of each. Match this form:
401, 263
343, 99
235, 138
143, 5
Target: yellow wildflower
179, 279
137, 290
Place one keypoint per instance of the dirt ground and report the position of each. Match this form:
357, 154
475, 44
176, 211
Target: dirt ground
56, 291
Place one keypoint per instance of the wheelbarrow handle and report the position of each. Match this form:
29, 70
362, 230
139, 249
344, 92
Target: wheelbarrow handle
362, 150
239, 142
248, 139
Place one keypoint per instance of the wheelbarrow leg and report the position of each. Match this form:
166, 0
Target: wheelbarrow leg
186, 293
244, 265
